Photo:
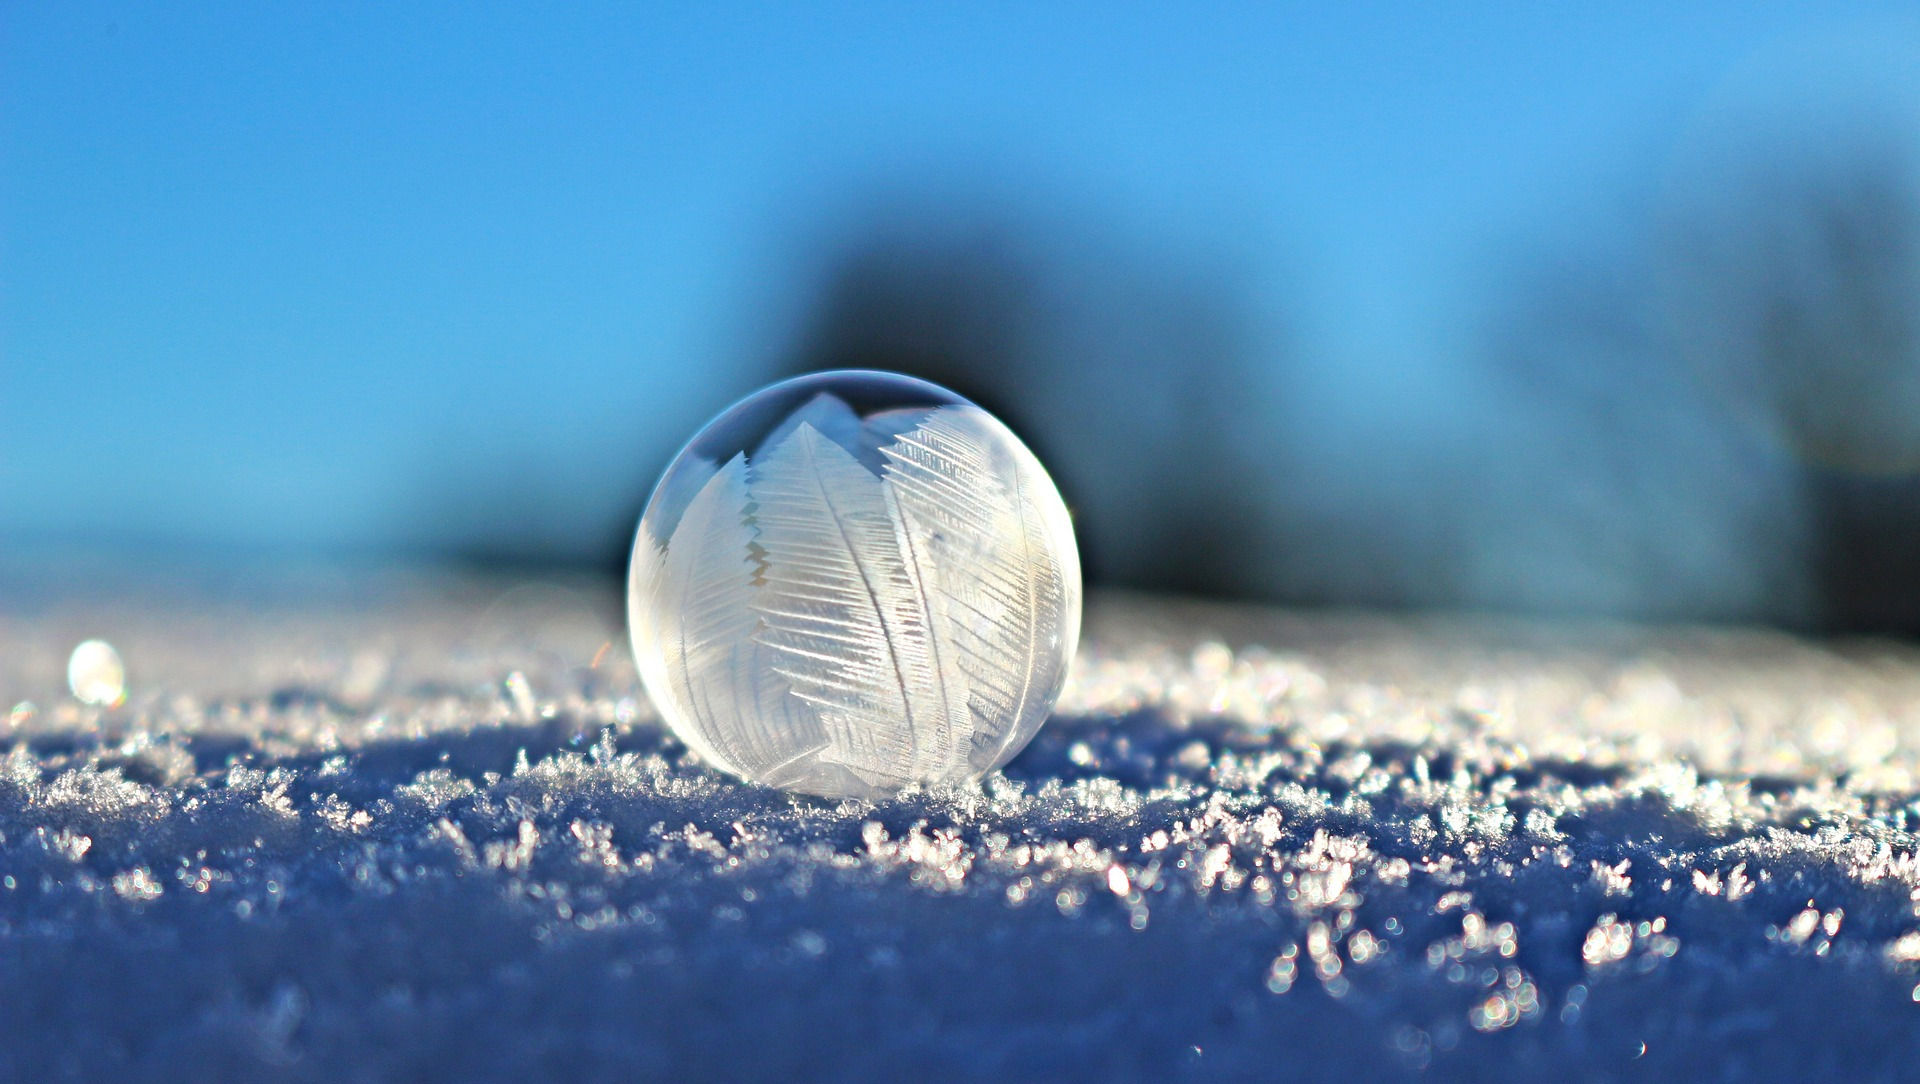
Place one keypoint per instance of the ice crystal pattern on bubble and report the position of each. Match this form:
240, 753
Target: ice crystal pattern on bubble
859, 604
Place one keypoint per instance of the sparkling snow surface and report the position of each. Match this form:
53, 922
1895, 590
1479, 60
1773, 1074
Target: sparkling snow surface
406, 828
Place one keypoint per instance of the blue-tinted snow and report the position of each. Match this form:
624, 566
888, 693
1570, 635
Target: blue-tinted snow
404, 828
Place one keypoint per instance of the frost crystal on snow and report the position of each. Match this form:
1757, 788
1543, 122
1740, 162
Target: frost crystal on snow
847, 601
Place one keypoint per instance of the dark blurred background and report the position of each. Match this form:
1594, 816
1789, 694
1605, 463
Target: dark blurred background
1612, 312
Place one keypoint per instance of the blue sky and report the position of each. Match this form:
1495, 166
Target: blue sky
351, 276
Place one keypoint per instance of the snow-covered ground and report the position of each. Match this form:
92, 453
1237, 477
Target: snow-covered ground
405, 827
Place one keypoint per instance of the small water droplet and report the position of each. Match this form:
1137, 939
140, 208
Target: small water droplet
520, 692
96, 675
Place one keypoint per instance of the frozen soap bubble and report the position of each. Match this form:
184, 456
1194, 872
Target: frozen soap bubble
853, 581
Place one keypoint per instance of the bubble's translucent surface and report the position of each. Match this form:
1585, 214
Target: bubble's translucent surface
853, 581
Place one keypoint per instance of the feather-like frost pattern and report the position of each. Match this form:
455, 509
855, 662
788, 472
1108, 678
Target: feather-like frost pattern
844, 610
943, 754
828, 414
1052, 569
710, 662
999, 590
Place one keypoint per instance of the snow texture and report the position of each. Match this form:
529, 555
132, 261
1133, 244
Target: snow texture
403, 828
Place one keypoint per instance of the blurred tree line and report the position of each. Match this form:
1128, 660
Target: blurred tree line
1716, 419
